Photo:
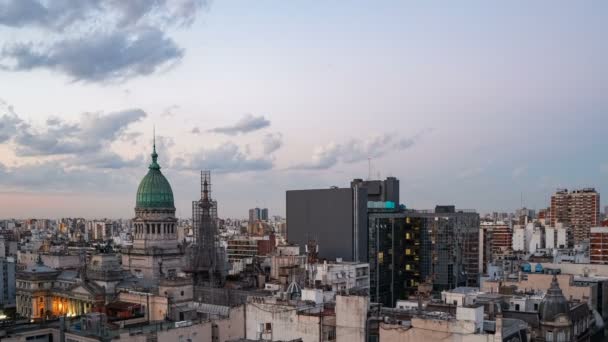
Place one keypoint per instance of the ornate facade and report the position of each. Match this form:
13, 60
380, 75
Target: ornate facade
44, 292
155, 250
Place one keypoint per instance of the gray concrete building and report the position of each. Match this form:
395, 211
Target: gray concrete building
335, 218
380, 190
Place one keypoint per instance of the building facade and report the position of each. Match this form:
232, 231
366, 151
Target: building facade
335, 218
579, 209
407, 248
7, 282
598, 248
155, 249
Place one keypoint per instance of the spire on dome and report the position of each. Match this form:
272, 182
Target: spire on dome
154, 165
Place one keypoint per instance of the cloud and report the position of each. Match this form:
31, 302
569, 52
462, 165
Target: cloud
9, 122
226, 158
62, 15
106, 160
272, 142
246, 124
354, 150
53, 176
96, 40
114, 56
93, 132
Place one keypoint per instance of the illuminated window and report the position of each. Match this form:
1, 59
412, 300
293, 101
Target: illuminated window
407, 220
407, 267
407, 236
408, 251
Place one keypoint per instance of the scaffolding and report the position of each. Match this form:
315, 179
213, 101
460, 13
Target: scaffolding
206, 260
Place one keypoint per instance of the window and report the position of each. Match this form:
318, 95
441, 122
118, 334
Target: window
268, 327
549, 336
535, 307
407, 267
516, 307
147, 228
182, 293
408, 251
408, 236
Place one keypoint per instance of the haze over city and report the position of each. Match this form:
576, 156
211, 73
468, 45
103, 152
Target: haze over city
477, 104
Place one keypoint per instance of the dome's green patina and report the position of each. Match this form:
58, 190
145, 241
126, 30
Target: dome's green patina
154, 190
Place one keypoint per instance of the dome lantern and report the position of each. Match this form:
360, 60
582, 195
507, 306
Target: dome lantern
154, 190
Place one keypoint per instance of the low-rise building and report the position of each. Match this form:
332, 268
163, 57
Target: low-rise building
274, 319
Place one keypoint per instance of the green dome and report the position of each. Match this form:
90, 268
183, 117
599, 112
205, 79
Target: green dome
154, 190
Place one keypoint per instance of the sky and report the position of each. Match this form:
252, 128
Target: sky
484, 105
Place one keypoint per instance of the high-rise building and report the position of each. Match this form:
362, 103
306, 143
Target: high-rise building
335, 218
255, 214
380, 190
7, 282
264, 215
578, 209
598, 248
396, 261
495, 240
407, 247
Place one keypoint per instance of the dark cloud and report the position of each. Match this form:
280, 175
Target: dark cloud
9, 124
246, 124
354, 150
272, 142
226, 158
109, 40
93, 133
111, 56
60, 15
106, 160
54, 176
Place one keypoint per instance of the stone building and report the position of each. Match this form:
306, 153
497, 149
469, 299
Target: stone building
44, 292
155, 249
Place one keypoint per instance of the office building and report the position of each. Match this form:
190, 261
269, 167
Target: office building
409, 247
396, 262
380, 190
578, 209
7, 282
264, 215
335, 218
454, 247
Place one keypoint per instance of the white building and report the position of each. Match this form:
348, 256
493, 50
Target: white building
562, 236
550, 233
460, 296
342, 276
519, 239
536, 241
272, 319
